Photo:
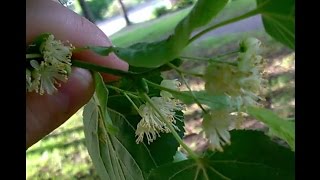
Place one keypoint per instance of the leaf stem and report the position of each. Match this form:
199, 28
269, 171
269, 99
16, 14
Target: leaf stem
77, 49
214, 59
227, 54
223, 23
102, 69
180, 71
211, 59
31, 56
163, 88
133, 104
122, 91
187, 84
116, 72
173, 131
194, 58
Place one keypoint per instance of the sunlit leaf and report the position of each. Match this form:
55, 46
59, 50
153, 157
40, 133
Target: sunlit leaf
101, 97
279, 127
278, 18
213, 101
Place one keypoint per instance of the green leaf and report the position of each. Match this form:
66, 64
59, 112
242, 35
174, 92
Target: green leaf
110, 158
158, 53
101, 96
147, 156
279, 127
101, 50
121, 104
101, 92
213, 101
278, 18
90, 123
252, 155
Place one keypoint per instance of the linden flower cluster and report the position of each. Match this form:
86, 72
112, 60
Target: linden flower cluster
241, 82
52, 66
250, 64
151, 123
235, 80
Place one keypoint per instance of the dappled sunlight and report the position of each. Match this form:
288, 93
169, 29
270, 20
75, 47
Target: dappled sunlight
62, 153
141, 14
281, 64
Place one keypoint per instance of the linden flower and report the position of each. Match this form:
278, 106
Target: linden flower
151, 124
249, 58
251, 83
251, 45
168, 98
215, 126
222, 78
150, 133
54, 51
46, 77
250, 63
250, 99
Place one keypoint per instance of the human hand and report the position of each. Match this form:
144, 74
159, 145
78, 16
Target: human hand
44, 113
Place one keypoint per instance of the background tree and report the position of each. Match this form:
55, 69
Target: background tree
124, 12
98, 8
86, 11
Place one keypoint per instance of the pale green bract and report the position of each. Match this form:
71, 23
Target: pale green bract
279, 127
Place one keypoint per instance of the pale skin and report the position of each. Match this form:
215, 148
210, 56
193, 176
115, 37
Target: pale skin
44, 113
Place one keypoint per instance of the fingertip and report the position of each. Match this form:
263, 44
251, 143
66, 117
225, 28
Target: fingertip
47, 112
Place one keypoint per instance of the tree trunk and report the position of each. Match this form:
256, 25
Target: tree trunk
124, 11
86, 11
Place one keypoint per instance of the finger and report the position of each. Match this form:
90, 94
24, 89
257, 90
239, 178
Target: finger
47, 112
49, 16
